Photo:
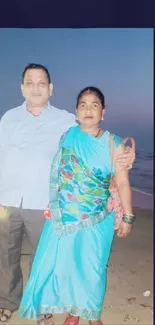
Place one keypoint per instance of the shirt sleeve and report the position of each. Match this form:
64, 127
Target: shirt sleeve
2, 141
116, 141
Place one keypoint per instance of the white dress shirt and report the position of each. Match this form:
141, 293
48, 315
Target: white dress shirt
27, 146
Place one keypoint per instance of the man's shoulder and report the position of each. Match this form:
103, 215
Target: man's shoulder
62, 116
61, 112
11, 113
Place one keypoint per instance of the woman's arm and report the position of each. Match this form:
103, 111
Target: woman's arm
124, 189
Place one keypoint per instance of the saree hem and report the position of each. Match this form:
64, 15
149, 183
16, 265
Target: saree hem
77, 311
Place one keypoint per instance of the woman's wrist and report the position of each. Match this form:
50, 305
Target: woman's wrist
128, 218
128, 214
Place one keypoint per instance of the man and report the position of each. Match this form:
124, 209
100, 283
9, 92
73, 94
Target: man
29, 137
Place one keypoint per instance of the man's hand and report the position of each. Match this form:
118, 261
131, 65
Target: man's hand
126, 159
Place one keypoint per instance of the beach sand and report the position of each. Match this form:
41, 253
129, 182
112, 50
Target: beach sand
130, 274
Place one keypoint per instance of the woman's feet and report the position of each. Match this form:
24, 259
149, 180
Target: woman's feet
72, 320
5, 315
95, 322
45, 320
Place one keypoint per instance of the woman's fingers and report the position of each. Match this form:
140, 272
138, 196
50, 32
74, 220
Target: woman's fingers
124, 229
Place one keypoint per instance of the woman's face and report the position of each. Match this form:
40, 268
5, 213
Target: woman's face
90, 110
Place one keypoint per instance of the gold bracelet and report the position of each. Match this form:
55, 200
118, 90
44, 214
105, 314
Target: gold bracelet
128, 215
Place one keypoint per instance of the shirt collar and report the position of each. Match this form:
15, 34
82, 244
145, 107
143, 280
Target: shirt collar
44, 111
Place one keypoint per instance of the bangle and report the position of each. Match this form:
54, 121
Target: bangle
128, 219
128, 215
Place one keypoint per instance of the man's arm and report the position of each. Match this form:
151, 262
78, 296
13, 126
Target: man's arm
2, 144
3, 139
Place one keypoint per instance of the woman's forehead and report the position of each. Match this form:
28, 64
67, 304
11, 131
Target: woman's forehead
89, 95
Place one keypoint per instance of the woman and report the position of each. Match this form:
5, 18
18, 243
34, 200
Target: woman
69, 270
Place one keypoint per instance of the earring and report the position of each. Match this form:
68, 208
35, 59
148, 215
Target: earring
102, 118
76, 119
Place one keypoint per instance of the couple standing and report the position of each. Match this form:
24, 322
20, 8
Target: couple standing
69, 269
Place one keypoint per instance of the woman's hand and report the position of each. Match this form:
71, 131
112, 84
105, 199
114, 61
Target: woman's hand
124, 229
126, 159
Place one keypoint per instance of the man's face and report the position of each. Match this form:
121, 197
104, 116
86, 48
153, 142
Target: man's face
36, 88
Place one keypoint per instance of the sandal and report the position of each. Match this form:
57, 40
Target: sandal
72, 320
45, 320
5, 315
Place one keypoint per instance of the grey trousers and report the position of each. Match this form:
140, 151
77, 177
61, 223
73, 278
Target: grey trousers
17, 221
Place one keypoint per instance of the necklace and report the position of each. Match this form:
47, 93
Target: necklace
98, 132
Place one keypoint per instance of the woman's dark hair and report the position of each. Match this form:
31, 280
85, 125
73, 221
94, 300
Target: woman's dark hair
94, 90
36, 66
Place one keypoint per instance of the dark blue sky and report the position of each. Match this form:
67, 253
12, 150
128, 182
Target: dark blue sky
118, 61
